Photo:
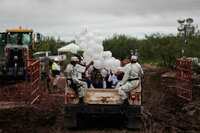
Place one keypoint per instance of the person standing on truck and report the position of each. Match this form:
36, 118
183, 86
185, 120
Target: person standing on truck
131, 78
55, 72
81, 68
72, 78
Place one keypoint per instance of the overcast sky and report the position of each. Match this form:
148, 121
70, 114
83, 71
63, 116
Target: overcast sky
64, 18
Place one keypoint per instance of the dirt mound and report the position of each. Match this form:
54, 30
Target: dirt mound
13, 92
40, 117
169, 113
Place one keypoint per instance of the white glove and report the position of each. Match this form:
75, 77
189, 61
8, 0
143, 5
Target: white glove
69, 82
81, 83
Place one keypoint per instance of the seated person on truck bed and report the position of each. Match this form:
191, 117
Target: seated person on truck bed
131, 78
102, 78
109, 79
112, 80
123, 64
81, 68
72, 79
97, 79
105, 74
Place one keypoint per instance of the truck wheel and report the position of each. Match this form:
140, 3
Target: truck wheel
134, 123
70, 122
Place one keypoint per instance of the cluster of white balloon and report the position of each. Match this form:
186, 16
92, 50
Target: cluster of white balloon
90, 42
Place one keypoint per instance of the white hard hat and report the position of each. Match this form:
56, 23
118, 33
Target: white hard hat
56, 59
74, 58
134, 58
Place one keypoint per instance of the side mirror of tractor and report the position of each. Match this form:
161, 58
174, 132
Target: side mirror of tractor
2, 39
38, 38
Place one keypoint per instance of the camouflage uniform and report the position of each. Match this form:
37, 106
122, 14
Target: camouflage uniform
73, 81
130, 80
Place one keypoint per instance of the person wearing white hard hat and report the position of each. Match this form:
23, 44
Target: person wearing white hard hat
121, 69
131, 78
72, 78
55, 68
81, 69
55, 72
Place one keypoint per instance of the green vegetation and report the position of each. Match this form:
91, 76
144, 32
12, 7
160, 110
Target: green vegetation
157, 49
51, 44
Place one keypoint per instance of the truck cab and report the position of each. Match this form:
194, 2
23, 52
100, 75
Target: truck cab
98, 102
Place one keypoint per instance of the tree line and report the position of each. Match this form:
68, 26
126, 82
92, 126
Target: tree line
158, 49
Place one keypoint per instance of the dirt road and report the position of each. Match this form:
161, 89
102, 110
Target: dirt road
165, 112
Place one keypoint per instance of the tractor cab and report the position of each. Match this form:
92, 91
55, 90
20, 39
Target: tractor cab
18, 46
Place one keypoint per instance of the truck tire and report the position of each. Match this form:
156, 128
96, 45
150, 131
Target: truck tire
134, 122
71, 122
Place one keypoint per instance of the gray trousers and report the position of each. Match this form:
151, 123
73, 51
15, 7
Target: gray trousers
82, 88
127, 87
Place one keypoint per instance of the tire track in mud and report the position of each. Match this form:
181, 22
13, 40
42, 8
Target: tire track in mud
154, 94
160, 114
164, 111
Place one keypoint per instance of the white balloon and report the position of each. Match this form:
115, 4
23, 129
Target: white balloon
96, 56
97, 64
109, 63
106, 54
83, 46
99, 40
109, 54
113, 58
102, 61
114, 69
91, 43
90, 52
90, 35
77, 41
117, 63
82, 39
85, 55
98, 48
87, 59
104, 73
77, 35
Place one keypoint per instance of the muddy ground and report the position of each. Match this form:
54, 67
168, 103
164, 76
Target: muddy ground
164, 111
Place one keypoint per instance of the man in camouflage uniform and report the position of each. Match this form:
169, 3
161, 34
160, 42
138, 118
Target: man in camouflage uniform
72, 78
131, 78
45, 73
